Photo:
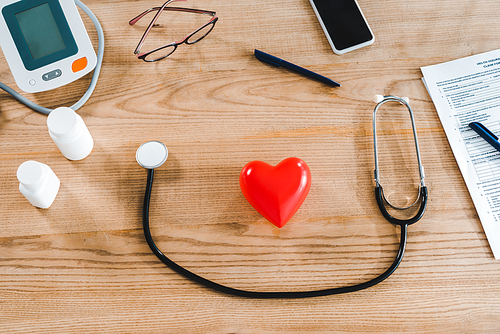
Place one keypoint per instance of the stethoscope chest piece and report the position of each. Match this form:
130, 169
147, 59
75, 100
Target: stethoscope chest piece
151, 154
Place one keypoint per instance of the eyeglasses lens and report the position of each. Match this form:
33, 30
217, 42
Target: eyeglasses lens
200, 34
160, 54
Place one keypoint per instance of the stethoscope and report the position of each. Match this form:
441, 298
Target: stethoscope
153, 154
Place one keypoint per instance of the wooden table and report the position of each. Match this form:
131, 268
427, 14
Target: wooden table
83, 264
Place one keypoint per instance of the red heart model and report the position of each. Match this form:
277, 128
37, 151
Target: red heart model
276, 192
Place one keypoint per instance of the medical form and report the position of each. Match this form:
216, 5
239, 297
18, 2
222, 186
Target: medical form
464, 91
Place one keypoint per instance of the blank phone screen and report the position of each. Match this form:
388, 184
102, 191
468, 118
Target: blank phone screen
344, 22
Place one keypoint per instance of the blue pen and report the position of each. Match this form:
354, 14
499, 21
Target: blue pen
275, 61
486, 134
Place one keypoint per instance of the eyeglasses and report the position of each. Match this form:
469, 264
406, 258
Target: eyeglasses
164, 51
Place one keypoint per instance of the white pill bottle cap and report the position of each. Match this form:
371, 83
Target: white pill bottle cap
69, 132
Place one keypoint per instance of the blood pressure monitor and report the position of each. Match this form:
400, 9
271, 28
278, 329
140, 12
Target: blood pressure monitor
45, 43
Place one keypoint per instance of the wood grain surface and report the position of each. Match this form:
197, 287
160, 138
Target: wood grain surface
83, 265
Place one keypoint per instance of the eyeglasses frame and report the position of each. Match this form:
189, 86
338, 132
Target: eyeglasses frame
143, 55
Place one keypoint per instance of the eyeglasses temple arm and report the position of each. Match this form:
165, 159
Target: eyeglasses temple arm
138, 48
177, 9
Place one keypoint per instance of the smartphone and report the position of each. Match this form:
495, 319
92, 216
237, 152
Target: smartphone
344, 24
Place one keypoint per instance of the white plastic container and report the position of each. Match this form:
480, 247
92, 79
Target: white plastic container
70, 133
38, 183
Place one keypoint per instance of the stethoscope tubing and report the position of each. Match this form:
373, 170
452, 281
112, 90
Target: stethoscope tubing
257, 294
381, 202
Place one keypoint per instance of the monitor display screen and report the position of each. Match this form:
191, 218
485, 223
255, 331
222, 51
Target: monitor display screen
39, 29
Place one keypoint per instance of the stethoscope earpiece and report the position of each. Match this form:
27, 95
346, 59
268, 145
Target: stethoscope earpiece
379, 98
151, 154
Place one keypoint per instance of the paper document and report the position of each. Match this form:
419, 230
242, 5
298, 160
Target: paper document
463, 91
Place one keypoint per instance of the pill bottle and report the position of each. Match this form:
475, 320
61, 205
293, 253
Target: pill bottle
70, 133
38, 183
